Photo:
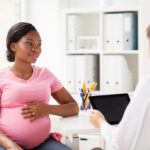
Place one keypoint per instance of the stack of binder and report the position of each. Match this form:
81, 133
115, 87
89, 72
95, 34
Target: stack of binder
86, 70
82, 68
117, 75
120, 31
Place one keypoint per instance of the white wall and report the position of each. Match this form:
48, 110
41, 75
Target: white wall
97, 3
145, 21
9, 15
45, 15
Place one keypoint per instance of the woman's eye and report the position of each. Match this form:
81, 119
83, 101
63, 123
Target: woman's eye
29, 43
39, 45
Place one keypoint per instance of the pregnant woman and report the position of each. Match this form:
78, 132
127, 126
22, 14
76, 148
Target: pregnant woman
25, 91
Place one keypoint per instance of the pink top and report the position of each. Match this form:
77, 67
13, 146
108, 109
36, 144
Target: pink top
15, 93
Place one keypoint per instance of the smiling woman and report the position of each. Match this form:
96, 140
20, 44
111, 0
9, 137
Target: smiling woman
25, 91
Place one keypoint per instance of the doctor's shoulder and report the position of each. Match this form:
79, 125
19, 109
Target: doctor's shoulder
144, 82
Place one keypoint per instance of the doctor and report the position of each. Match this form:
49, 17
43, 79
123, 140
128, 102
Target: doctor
133, 132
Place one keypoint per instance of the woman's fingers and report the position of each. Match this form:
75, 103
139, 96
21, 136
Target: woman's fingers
34, 110
33, 118
27, 111
29, 115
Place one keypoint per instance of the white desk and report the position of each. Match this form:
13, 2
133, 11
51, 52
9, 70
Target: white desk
75, 129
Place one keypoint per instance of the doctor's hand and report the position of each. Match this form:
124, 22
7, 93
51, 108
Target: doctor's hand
35, 110
13, 146
96, 118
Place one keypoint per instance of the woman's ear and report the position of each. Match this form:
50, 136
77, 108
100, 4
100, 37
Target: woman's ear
12, 46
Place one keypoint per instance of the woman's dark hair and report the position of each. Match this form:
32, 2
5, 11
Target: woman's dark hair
15, 33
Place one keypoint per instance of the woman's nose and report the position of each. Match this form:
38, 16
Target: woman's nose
35, 49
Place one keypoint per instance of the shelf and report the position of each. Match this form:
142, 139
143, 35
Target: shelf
125, 52
79, 11
118, 9
106, 9
85, 51
92, 55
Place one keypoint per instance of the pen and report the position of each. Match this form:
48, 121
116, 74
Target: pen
92, 87
84, 87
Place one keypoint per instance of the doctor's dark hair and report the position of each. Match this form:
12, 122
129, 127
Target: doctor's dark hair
15, 33
148, 31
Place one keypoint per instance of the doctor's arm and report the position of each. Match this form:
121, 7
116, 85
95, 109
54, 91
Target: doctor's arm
97, 119
123, 136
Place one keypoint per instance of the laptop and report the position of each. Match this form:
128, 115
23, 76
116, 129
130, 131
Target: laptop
112, 106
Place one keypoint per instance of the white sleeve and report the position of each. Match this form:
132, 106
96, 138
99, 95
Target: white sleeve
125, 135
109, 133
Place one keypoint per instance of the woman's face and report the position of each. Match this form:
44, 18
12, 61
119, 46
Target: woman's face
28, 48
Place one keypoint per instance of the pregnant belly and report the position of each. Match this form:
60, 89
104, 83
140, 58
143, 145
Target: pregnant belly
22, 131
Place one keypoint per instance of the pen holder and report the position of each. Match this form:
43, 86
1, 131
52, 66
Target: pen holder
82, 101
83, 107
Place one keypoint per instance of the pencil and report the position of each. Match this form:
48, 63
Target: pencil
92, 87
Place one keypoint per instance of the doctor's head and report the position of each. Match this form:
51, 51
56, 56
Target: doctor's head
148, 31
23, 43
148, 36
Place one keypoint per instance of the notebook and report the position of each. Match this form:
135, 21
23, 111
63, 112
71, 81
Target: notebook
112, 106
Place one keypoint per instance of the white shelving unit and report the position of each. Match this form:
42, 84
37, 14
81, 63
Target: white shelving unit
115, 69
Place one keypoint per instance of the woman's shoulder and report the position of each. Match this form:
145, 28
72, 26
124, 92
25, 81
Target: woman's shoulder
4, 71
43, 70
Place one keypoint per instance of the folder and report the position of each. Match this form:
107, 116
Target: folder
72, 31
108, 31
92, 70
130, 35
117, 31
70, 73
123, 77
80, 67
120, 31
107, 74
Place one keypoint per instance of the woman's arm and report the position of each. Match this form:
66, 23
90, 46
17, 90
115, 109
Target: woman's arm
7, 143
67, 106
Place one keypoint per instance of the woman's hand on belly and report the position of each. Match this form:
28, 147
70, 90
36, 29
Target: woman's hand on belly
35, 110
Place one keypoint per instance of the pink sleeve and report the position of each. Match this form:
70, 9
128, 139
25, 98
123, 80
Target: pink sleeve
55, 84
0, 93
0, 98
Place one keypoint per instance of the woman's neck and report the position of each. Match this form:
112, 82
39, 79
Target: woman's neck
22, 70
